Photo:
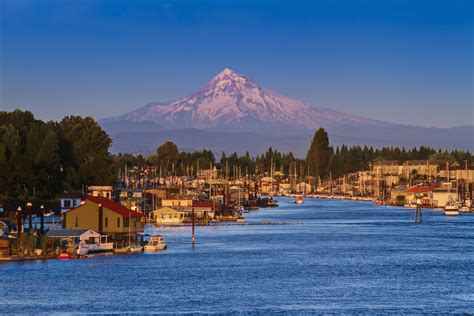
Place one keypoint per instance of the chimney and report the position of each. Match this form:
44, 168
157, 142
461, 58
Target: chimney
101, 213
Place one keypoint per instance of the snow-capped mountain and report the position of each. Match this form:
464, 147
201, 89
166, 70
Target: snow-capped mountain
231, 108
233, 100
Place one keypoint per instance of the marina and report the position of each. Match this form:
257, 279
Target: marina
332, 255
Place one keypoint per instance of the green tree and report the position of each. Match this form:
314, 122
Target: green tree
319, 154
86, 149
167, 155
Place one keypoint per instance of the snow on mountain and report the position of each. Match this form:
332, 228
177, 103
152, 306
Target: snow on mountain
231, 99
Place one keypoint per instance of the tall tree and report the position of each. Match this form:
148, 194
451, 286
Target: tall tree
167, 155
319, 154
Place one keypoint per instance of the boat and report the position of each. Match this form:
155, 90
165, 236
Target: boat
132, 249
85, 248
266, 202
239, 208
156, 243
451, 210
464, 209
64, 256
135, 249
299, 199
95, 243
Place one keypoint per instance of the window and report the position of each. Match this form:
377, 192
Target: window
118, 222
126, 222
67, 203
76, 221
106, 222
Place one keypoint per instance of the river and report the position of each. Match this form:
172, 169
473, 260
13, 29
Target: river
326, 256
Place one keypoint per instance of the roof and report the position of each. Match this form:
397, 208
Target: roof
114, 206
421, 189
67, 232
167, 209
444, 190
203, 203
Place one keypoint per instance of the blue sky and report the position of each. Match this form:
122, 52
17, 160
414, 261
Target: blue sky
402, 61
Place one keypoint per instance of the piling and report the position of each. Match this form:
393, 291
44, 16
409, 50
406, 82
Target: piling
193, 238
19, 222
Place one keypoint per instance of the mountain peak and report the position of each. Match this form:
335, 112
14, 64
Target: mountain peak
228, 81
227, 71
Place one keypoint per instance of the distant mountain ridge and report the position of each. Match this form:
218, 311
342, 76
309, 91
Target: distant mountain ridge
233, 113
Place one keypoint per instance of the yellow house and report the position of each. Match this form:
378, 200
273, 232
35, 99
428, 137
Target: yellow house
103, 216
167, 215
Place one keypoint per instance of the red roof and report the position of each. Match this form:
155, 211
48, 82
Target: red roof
114, 206
422, 189
203, 204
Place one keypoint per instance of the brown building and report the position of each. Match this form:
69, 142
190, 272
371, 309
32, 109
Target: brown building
104, 216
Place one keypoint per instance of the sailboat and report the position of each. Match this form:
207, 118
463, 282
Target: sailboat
130, 249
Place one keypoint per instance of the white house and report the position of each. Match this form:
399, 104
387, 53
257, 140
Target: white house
69, 201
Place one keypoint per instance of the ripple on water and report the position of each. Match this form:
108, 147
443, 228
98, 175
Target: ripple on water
331, 257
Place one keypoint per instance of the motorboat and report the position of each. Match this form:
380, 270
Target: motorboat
451, 209
132, 249
299, 199
135, 249
156, 243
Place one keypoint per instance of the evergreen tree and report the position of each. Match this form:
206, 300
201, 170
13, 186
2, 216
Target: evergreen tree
319, 154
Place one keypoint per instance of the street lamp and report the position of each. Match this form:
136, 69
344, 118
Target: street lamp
42, 219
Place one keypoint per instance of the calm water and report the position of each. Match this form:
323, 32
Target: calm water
332, 256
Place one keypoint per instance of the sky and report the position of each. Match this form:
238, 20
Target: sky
407, 61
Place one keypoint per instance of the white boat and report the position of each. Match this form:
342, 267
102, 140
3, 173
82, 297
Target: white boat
135, 249
299, 199
132, 249
85, 248
464, 209
451, 210
156, 243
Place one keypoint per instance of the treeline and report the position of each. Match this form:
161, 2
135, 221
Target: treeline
170, 161
40, 160
324, 160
